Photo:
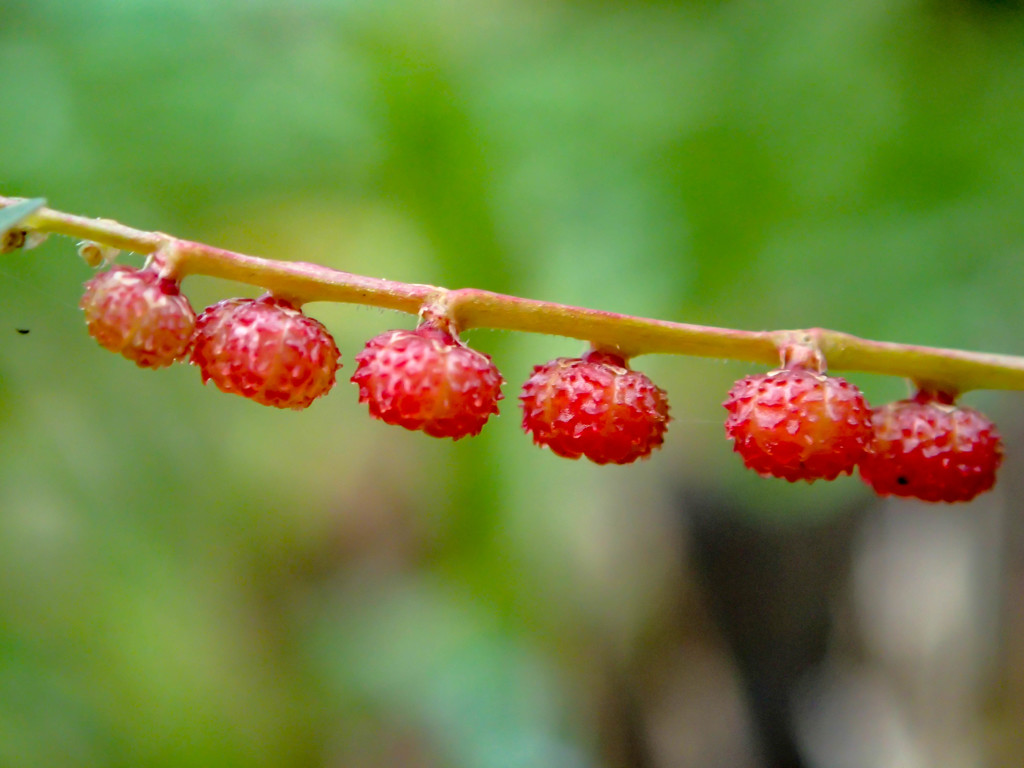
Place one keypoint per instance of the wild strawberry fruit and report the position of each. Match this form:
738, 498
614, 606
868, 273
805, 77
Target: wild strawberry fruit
932, 450
265, 349
798, 424
140, 315
426, 379
595, 407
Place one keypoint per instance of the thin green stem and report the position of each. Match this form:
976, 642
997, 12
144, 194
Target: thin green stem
942, 369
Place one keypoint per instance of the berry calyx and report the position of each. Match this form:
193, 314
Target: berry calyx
428, 380
797, 424
930, 449
140, 315
265, 349
594, 406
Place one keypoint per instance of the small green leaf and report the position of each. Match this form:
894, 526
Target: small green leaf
13, 215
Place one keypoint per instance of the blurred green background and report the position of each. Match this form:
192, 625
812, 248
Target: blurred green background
187, 579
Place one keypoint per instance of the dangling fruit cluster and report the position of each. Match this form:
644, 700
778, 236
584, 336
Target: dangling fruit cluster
802, 425
425, 379
264, 349
795, 423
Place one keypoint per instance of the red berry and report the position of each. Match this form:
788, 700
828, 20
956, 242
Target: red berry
595, 407
426, 379
265, 349
931, 450
139, 314
797, 424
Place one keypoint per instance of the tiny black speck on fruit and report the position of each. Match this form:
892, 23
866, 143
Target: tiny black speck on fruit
22, 331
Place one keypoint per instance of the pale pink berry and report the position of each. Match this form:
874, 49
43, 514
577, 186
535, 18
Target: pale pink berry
140, 315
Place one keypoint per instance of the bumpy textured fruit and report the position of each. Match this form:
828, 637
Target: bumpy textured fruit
797, 424
428, 380
931, 450
266, 350
595, 407
140, 315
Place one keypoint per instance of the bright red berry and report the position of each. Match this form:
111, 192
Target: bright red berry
426, 379
265, 349
930, 449
140, 315
595, 407
797, 424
